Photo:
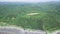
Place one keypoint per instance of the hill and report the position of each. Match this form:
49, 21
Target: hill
40, 16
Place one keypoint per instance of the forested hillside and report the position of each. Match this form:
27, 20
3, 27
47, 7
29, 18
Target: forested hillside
40, 16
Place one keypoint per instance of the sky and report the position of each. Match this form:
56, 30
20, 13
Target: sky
27, 0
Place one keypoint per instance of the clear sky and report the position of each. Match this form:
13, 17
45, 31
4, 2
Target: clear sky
26, 0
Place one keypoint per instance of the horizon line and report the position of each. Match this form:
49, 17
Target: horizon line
35, 2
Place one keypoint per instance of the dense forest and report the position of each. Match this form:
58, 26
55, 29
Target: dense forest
40, 16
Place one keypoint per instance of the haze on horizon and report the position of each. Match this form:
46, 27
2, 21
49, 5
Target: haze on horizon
27, 0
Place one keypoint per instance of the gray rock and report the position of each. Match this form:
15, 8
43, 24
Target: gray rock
18, 31
11, 31
58, 32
